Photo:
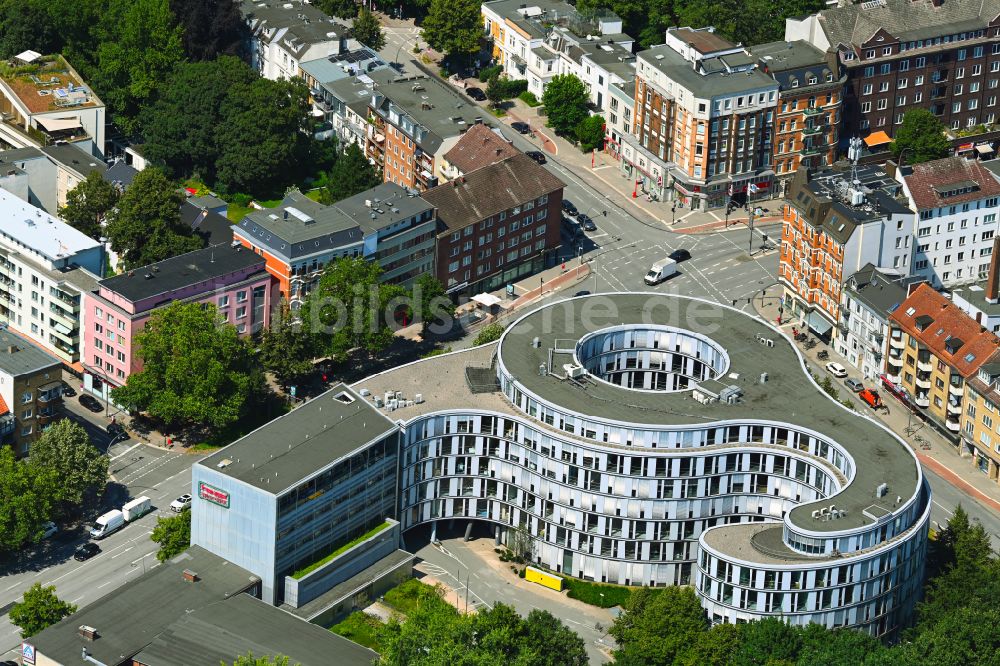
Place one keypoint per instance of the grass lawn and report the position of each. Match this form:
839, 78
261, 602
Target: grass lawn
315, 194
499, 113
591, 593
360, 628
195, 184
350, 544
236, 212
269, 203
407, 597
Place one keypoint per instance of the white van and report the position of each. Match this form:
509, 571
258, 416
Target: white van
107, 524
660, 271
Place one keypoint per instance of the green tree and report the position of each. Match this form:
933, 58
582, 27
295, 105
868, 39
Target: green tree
286, 348
139, 42
554, 641
249, 660
28, 495
565, 99
715, 647
88, 204
920, 138
146, 225
367, 29
173, 534
39, 609
590, 133
181, 127
769, 641
263, 136
65, 449
453, 27
351, 174
194, 370
211, 27
27, 25
340, 8
490, 333
435, 308
658, 626
350, 309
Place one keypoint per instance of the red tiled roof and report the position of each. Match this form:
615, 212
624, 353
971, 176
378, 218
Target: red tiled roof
479, 147
4, 409
944, 322
930, 179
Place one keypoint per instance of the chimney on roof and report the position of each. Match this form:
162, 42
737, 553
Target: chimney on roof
87, 632
189, 576
12, 349
993, 279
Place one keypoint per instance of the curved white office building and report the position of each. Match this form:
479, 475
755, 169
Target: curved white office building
644, 439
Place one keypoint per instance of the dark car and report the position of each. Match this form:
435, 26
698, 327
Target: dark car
537, 156
67, 391
568, 207
476, 94
588, 224
91, 403
86, 551
521, 128
115, 429
680, 255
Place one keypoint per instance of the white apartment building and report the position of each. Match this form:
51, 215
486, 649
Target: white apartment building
45, 265
956, 201
867, 299
600, 62
286, 33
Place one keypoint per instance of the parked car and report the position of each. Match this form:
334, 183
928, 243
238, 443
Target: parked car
836, 369
114, 429
568, 207
181, 503
680, 255
537, 156
521, 128
476, 94
854, 385
48, 529
589, 225
68, 391
91, 403
86, 551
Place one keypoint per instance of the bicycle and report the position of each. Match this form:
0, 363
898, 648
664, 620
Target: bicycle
909, 430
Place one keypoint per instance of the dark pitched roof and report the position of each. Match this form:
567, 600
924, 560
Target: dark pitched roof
882, 293
949, 333
207, 265
479, 147
213, 228
120, 172
950, 181
300, 226
905, 19
485, 192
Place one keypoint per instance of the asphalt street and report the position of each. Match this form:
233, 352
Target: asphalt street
136, 469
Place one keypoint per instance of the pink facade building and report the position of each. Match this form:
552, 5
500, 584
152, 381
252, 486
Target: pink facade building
233, 279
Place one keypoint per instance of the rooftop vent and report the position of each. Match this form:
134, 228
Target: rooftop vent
224, 463
344, 397
87, 632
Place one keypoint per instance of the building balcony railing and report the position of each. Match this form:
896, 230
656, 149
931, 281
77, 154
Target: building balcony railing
955, 409
894, 362
896, 343
813, 150
924, 383
956, 390
924, 366
952, 424
922, 401
813, 111
810, 131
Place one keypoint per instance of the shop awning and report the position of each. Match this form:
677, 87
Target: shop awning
877, 139
965, 147
56, 124
818, 323
984, 148
487, 300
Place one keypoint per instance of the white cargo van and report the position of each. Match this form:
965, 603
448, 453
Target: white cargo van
107, 524
137, 508
660, 271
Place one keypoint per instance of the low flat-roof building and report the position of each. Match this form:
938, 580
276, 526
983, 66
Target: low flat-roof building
283, 498
196, 608
232, 279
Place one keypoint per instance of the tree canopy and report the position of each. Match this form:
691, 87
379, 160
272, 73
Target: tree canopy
88, 204
367, 29
435, 309
65, 449
173, 533
286, 347
39, 608
435, 633
29, 493
146, 225
195, 371
566, 100
489, 333
920, 138
350, 309
340, 8
351, 174
453, 27
590, 133
249, 660
210, 27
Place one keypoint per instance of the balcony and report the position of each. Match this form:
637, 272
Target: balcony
924, 366
922, 401
811, 131
895, 379
955, 409
896, 343
58, 315
894, 362
952, 424
958, 390
922, 382
813, 111
812, 150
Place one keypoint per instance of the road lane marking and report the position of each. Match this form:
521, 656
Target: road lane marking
126, 451
105, 584
123, 552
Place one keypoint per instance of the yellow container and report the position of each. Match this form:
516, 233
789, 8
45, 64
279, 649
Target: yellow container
542, 578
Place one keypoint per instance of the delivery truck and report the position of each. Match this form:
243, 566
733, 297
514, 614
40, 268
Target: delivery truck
660, 271
109, 523
137, 508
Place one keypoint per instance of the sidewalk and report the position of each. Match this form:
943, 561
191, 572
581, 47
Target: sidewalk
602, 172
942, 458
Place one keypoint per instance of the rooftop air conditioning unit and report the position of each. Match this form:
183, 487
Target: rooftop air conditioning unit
574, 371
